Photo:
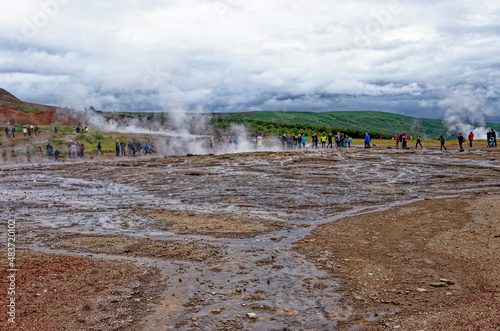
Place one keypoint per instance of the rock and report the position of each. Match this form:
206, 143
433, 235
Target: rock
238, 289
216, 311
137, 300
449, 293
422, 290
447, 281
438, 284
252, 316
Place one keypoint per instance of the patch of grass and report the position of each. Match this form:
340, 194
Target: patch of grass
28, 110
55, 141
90, 138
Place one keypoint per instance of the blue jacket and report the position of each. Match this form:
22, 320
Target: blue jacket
367, 138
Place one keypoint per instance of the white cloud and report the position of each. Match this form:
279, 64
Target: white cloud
233, 55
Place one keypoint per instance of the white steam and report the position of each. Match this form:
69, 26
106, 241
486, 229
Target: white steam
175, 133
466, 109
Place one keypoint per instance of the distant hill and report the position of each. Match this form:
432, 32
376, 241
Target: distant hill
17, 112
387, 123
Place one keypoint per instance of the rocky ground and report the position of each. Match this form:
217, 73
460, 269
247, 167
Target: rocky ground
337, 239
434, 263
60, 292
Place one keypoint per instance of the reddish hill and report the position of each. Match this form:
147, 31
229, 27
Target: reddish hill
18, 112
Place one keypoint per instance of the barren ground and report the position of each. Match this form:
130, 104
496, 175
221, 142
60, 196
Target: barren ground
337, 239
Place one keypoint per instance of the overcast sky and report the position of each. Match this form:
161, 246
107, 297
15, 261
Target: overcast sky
420, 58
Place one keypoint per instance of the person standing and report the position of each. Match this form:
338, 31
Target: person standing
56, 154
304, 141
367, 140
329, 141
25, 132
419, 142
404, 140
99, 148
50, 150
28, 153
7, 131
13, 132
117, 147
73, 150
315, 140
441, 139
39, 154
122, 147
494, 137
471, 138
461, 140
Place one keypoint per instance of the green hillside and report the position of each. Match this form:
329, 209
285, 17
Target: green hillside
387, 123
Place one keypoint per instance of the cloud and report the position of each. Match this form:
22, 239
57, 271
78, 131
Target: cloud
406, 57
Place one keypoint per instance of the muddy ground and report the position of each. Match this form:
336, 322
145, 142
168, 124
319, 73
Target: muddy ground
337, 239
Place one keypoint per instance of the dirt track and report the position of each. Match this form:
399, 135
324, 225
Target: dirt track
370, 210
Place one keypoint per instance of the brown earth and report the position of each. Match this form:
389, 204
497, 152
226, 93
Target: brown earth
436, 263
55, 292
218, 226
43, 115
124, 245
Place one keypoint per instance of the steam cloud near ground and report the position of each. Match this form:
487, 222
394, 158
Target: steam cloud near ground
175, 133
466, 109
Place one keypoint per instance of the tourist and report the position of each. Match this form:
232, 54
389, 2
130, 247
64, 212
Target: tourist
73, 150
78, 149
367, 140
28, 153
442, 140
99, 148
315, 140
117, 147
50, 150
404, 140
330, 140
122, 147
471, 138
461, 140
419, 142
